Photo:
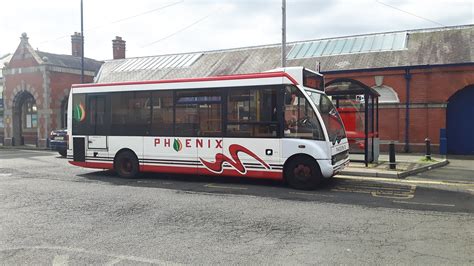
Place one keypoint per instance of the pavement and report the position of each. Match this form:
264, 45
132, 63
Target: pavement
407, 164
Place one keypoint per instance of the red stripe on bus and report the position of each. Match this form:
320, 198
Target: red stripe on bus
168, 169
204, 171
93, 165
217, 78
186, 170
250, 173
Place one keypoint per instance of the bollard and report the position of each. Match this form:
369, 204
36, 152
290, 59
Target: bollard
428, 149
392, 162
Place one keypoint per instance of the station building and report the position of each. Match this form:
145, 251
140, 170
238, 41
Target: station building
36, 86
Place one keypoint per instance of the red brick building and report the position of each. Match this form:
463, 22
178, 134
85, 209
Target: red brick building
36, 88
427, 72
430, 89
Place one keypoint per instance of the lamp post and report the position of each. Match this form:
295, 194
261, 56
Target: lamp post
283, 33
82, 44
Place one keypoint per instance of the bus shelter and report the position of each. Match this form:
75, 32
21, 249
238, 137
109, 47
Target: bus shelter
358, 106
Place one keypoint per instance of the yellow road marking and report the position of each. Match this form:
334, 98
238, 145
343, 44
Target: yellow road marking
393, 196
427, 182
311, 194
391, 191
425, 203
225, 187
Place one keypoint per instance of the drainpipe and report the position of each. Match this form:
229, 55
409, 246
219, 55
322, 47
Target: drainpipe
407, 110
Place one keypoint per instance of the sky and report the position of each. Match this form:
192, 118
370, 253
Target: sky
155, 27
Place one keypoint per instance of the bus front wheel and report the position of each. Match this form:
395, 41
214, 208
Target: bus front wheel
126, 164
303, 172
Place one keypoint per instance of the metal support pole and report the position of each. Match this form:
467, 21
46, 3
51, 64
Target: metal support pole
407, 110
428, 149
366, 129
283, 33
392, 163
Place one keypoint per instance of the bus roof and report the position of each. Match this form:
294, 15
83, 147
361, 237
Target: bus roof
202, 79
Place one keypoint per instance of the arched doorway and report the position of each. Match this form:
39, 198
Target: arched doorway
459, 125
25, 120
63, 118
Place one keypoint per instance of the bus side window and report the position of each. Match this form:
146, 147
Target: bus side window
198, 113
130, 114
80, 115
252, 112
162, 114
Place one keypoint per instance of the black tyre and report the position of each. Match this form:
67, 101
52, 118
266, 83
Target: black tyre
63, 153
303, 173
126, 164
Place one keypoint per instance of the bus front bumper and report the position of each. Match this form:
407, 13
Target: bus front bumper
328, 169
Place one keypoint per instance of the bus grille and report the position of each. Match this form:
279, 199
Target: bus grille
340, 156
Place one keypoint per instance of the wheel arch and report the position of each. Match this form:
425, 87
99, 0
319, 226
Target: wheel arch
125, 150
296, 156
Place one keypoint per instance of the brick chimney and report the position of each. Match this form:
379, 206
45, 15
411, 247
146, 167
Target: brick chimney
118, 47
76, 44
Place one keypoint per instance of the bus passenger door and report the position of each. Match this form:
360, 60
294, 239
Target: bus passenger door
96, 142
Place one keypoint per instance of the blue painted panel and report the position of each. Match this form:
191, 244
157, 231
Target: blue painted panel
460, 122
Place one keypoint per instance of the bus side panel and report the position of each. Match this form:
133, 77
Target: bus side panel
252, 157
97, 153
117, 143
209, 154
170, 155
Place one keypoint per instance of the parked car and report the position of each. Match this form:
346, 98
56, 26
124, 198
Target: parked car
58, 141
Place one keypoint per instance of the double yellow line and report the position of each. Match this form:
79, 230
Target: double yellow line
468, 186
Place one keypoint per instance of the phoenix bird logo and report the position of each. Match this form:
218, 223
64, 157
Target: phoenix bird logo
79, 112
234, 150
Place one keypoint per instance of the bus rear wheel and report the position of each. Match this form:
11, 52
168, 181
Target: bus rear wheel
126, 164
303, 173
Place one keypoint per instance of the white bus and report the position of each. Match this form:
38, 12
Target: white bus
278, 125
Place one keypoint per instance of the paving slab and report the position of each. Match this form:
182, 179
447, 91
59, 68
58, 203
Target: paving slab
406, 165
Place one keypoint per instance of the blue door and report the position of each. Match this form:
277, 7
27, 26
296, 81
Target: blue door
460, 122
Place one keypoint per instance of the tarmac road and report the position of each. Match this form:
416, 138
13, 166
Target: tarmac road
54, 213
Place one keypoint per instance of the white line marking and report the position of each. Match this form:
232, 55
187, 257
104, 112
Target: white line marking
225, 187
60, 260
311, 194
5, 175
113, 262
81, 250
425, 203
